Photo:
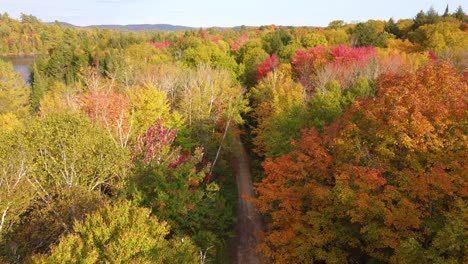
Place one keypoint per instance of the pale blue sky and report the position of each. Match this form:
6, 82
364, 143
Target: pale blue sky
205, 13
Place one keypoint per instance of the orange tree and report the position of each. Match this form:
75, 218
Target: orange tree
385, 182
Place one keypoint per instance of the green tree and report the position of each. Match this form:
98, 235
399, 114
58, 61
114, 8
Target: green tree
54, 169
288, 51
16, 164
207, 53
176, 186
274, 99
370, 33
446, 12
120, 233
71, 152
46, 162
460, 14
251, 58
275, 41
392, 28
432, 16
46, 221
39, 86
336, 24
59, 64
419, 20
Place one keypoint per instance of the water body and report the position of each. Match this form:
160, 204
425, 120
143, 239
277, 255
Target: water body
22, 65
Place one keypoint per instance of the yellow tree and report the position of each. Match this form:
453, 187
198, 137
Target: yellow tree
121, 233
440, 36
14, 96
275, 94
146, 104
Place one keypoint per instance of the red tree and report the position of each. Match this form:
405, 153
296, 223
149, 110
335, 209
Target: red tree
350, 63
268, 65
161, 45
237, 44
306, 64
155, 146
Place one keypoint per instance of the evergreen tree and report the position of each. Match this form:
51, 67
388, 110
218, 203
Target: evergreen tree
419, 20
38, 87
432, 16
367, 34
446, 13
392, 28
460, 14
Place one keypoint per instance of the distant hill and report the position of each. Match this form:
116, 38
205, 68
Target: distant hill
65, 24
144, 27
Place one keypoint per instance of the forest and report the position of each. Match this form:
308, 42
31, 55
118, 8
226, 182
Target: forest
120, 148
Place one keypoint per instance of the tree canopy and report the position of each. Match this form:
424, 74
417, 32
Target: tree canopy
121, 146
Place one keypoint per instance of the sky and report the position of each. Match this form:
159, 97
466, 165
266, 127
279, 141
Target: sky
207, 13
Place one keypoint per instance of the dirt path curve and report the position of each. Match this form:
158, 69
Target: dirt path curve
248, 220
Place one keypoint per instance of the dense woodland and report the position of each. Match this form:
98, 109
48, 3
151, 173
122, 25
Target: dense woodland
119, 150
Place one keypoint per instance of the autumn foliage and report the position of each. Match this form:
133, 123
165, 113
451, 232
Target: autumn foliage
109, 111
161, 45
384, 181
307, 63
268, 65
315, 67
348, 56
238, 43
361, 130
155, 145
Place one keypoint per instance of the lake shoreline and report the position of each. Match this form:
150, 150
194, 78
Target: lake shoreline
22, 54
21, 64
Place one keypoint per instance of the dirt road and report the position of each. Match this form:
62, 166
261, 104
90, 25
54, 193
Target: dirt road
248, 220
